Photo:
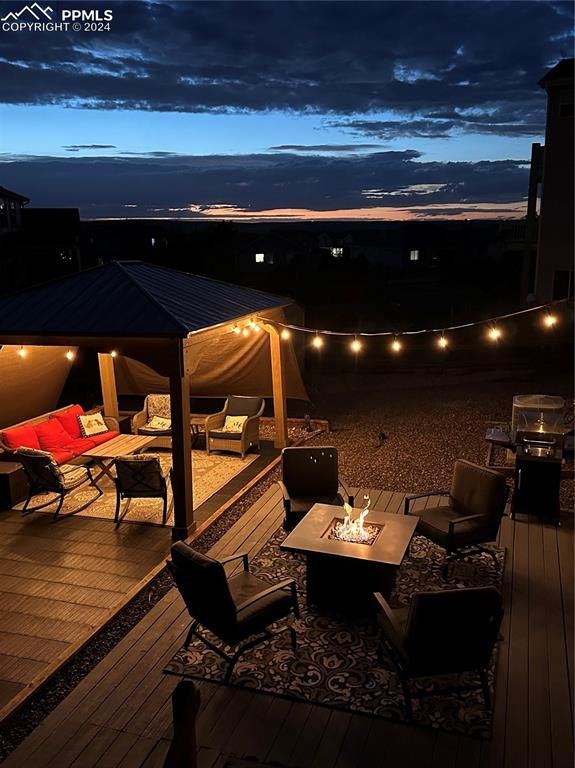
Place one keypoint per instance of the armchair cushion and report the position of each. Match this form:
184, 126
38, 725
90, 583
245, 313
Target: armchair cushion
477, 490
434, 524
238, 405
221, 435
302, 506
261, 613
158, 405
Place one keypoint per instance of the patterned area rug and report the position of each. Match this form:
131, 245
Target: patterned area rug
336, 664
210, 473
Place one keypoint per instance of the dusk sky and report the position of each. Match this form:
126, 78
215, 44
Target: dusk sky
241, 110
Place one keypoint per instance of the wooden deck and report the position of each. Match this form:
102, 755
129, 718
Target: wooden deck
61, 582
119, 715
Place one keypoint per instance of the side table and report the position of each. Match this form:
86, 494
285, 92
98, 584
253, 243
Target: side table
13, 484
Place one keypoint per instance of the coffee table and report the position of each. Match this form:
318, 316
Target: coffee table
123, 445
343, 575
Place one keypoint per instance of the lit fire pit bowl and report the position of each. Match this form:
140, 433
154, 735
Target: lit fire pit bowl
343, 574
366, 535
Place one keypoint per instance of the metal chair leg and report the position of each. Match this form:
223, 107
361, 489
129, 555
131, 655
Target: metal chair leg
59, 507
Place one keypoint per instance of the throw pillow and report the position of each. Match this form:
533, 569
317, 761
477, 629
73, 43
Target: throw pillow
92, 424
158, 422
52, 435
19, 436
234, 423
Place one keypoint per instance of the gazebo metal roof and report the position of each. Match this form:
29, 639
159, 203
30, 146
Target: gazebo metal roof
129, 299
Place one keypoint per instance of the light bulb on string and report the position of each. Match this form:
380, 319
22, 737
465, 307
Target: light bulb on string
236, 329
22, 352
317, 341
396, 345
285, 334
549, 320
356, 345
494, 334
245, 332
442, 342
70, 355
113, 353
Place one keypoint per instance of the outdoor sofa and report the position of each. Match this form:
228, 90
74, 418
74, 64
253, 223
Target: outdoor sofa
57, 432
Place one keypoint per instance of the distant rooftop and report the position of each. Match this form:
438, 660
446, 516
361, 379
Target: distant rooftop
561, 72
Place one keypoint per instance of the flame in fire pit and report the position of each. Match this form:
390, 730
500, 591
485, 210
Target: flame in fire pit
354, 530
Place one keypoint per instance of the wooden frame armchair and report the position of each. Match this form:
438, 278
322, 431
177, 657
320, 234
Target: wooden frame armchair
44, 474
140, 476
237, 442
472, 515
238, 610
441, 633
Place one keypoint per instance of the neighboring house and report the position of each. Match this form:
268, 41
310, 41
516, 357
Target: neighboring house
554, 270
11, 204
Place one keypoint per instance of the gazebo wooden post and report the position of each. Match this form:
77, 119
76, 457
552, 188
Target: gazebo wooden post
108, 384
278, 386
181, 451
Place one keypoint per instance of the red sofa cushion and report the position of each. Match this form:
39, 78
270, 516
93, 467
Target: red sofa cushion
69, 420
52, 435
79, 446
61, 455
21, 436
103, 438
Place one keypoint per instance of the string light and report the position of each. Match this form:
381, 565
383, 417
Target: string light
355, 346
442, 342
246, 332
22, 352
396, 345
113, 353
494, 333
70, 355
285, 334
549, 320
317, 342
236, 329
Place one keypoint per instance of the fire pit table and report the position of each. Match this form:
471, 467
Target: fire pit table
342, 575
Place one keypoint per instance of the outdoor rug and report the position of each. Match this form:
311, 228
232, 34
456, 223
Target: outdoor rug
336, 662
210, 473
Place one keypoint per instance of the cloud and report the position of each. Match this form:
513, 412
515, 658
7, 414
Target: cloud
338, 58
78, 147
324, 147
190, 185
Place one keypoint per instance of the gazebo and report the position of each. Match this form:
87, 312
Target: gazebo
159, 317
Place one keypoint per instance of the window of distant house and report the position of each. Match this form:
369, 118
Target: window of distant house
260, 258
337, 253
414, 255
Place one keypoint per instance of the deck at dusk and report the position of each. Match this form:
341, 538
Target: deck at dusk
120, 714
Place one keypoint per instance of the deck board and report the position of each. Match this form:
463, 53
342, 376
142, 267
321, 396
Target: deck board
127, 693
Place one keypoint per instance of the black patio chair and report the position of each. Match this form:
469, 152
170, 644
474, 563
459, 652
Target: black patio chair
309, 476
140, 476
441, 633
471, 516
44, 475
238, 610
